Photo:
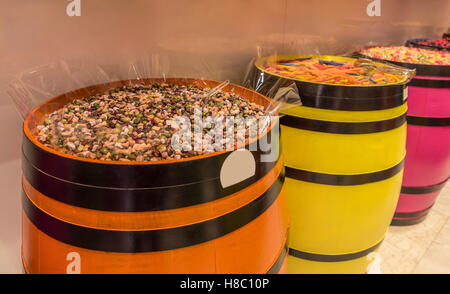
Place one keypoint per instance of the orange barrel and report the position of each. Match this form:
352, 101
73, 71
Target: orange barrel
89, 216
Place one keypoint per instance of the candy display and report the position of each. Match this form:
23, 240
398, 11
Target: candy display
335, 71
442, 43
134, 122
234, 138
427, 163
404, 54
325, 81
221, 212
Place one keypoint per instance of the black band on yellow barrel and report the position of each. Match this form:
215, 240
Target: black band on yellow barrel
332, 258
135, 200
151, 240
203, 169
342, 180
423, 190
428, 121
342, 127
276, 267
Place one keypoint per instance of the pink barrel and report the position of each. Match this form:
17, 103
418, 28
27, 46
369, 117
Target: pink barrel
427, 163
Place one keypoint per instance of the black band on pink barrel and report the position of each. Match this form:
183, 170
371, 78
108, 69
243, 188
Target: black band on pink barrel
424, 189
412, 214
428, 121
410, 218
430, 83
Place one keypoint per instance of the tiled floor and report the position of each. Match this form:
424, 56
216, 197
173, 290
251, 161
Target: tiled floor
423, 248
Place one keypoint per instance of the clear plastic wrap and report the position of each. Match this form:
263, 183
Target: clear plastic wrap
289, 82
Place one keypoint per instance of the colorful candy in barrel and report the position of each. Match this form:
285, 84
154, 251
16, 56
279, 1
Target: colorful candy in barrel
344, 150
427, 164
136, 205
437, 44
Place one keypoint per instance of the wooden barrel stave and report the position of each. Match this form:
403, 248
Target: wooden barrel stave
427, 163
258, 242
338, 209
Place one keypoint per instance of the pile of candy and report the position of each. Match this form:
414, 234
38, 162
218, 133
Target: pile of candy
134, 123
408, 55
344, 71
443, 43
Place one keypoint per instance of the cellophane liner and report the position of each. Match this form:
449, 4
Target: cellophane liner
383, 65
32, 87
36, 86
284, 91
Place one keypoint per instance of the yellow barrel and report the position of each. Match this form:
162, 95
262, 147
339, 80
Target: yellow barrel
344, 151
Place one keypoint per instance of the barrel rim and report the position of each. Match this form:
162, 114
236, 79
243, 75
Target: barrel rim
31, 137
260, 60
414, 43
427, 70
330, 96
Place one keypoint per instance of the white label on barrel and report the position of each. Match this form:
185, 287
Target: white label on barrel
74, 266
238, 166
405, 93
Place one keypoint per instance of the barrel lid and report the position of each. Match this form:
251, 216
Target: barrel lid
427, 70
328, 95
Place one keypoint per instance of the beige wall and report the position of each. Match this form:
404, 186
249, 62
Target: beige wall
203, 38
